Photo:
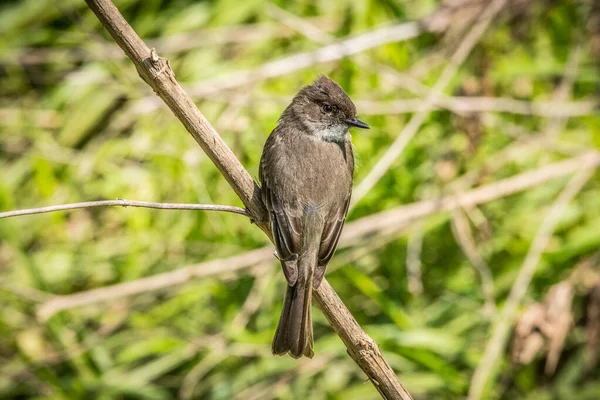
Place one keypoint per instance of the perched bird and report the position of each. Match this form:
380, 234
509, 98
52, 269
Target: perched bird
306, 180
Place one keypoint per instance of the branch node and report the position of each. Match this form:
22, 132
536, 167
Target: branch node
154, 56
157, 65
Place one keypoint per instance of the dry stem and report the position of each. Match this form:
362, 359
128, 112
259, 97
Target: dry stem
125, 203
157, 73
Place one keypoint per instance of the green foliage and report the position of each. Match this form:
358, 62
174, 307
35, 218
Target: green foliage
77, 124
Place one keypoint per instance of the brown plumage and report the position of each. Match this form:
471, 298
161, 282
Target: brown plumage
306, 181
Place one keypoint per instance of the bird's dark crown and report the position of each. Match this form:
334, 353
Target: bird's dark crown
322, 109
325, 91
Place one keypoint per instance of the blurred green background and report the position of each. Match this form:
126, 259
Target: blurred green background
78, 124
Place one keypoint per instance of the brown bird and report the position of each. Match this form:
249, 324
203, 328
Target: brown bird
306, 181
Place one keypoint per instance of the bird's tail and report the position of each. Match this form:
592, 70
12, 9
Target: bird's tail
295, 332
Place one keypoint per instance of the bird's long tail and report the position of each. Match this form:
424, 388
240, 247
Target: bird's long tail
295, 332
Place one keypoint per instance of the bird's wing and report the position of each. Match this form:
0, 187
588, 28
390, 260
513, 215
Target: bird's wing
329, 239
285, 224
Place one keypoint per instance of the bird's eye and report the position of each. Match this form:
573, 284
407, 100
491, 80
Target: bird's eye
327, 108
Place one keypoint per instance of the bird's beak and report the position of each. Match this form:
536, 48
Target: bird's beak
357, 123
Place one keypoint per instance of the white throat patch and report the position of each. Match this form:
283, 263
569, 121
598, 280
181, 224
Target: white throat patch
331, 133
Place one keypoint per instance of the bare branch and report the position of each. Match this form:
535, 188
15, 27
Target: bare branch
464, 49
438, 21
461, 105
24, 292
506, 318
158, 74
125, 203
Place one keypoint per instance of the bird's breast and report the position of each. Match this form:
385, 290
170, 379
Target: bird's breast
317, 172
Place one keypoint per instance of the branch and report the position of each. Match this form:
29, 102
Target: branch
401, 216
158, 74
125, 203
314, 33
507, 316
386, 221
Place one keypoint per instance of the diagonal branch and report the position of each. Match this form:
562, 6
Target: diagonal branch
158, 74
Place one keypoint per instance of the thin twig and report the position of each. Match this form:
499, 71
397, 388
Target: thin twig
401, 216
438, 21
387, 221
464, 49
485, 370
125, 203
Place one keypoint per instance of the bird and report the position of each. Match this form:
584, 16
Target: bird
306, 174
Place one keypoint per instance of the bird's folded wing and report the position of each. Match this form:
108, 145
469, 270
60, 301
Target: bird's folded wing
329, 239
286, 228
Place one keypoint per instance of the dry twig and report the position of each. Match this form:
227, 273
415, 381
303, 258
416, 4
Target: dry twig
125, 203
